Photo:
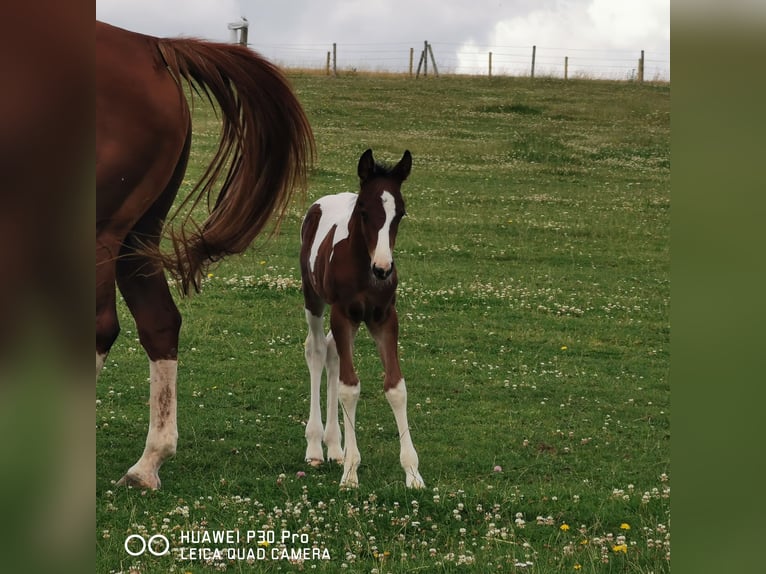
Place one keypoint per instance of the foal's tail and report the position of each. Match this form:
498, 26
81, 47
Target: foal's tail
264, 154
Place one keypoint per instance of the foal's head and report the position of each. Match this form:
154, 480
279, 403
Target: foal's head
380, 208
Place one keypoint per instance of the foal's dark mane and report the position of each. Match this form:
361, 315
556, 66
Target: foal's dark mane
381, 170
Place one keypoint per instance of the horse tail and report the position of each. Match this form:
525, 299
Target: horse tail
264, 154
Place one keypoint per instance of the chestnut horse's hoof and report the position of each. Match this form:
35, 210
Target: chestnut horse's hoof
136, 481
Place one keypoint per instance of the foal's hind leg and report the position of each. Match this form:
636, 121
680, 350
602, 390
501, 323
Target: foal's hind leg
321, 353
158, 322
315, 353
332, 434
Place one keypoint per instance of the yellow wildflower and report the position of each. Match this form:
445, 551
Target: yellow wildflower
624, 526
620, 548
564, 527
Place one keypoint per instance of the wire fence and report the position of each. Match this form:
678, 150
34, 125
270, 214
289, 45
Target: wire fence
472, 59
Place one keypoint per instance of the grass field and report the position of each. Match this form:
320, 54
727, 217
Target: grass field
534, 309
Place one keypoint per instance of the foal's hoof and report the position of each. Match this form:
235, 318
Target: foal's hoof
314, 462
136, 481
415, 481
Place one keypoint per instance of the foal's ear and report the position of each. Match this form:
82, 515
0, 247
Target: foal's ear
366, 165
402, 169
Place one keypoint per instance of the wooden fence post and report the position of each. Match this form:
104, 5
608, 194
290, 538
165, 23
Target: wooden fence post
412, 55
566, 67
425, 59
420, 63
327, 67
641, 68
534, 50
433, 60
490, 64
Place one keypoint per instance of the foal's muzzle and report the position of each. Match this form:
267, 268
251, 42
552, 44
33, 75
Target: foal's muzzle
381, 273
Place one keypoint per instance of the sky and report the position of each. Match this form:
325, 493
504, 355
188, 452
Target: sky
601, 38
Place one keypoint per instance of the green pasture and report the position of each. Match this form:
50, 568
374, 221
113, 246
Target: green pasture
534, 310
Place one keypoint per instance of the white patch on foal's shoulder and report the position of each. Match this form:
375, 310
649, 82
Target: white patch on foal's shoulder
336, 211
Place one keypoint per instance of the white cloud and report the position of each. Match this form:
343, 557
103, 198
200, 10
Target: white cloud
202, 18
601, 38
297, 32
629, 23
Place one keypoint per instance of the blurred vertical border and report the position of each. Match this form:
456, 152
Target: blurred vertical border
47, 203
47, 207
718, 156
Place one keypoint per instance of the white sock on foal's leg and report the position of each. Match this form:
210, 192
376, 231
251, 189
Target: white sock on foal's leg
397, 398
332, 434
162, 438
349, 396
316, 351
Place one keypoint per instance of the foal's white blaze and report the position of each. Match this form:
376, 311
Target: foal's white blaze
383, 258
336, 210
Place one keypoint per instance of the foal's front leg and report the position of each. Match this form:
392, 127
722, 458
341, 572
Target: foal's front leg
386, 335
343, 331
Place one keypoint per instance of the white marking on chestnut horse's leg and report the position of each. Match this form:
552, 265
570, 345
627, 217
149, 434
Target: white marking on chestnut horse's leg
332, 434
349, 396
100, 360
316, 351
397, 398
162, 438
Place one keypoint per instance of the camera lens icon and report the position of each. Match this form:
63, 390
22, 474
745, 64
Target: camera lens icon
137, 545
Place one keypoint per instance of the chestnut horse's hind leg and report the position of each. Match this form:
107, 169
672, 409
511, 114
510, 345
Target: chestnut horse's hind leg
142, 282
158, 322
107, 325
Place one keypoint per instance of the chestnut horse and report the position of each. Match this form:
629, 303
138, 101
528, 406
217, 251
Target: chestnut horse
143, 137
347, 243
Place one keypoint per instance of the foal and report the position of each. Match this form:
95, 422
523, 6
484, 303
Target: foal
347, 262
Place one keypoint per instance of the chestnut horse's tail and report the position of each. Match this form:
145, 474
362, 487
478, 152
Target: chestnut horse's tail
264, 154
